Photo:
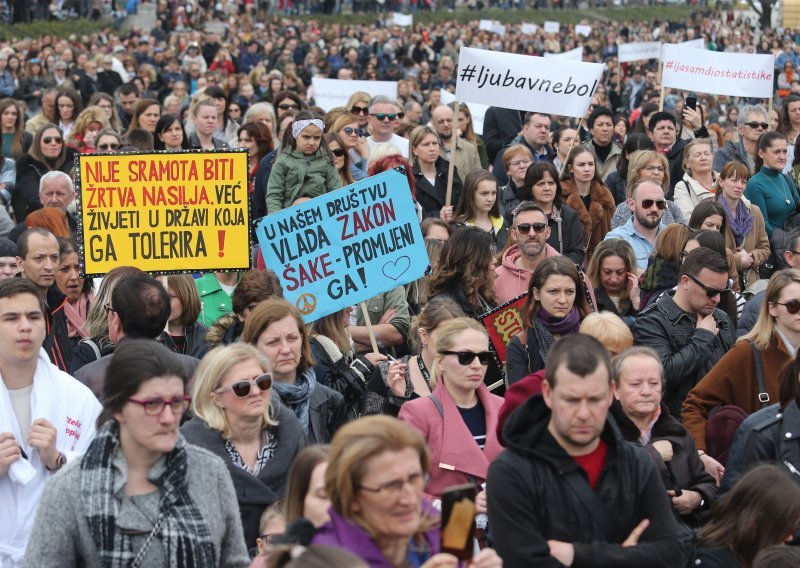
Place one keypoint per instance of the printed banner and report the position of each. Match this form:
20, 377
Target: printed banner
552, 27
583, 29
694, 43
571, 55
732, 74
503, 323
639, 51
332, 93
345, 246
478, 111
399, 19
555, 86
164, 213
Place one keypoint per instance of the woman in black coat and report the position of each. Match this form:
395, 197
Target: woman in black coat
431, 171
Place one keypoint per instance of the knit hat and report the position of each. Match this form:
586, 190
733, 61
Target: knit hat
7, 248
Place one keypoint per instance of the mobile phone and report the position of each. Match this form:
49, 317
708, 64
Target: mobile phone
691, 102
458, 520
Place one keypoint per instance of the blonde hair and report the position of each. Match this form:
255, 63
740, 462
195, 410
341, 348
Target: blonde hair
210, 374
446, 341
85, 118
638, 162
609, 329
687, 150
762, 331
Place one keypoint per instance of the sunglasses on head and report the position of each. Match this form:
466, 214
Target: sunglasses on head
756, 124
359, 110
108, 146
382, 116
660, 203
350, 131
242, 388
711, 292
792, 306
288, 106
49, 139
467, 357
338, 152
525, 228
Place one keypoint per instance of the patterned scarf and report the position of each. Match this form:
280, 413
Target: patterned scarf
740, 225
297, 395
183, 531
546, 325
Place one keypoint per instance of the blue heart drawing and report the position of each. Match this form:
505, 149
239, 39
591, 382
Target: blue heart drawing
396, 268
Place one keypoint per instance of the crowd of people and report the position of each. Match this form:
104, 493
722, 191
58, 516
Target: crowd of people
642, 414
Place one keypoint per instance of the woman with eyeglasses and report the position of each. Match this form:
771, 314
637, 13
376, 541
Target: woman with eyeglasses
773, 192
47, 153
699, 178
348, 129
516, 159
376, 483
140, 495
459, 419
237, 419
106, 102
555, 306
341, 159
733, 380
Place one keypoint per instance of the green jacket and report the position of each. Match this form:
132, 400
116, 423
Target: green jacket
295, 174
382, 303
214, 301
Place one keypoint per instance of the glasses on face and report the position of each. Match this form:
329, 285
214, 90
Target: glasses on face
517, 163
525, 228
660, 203
155, 406
710, 292
654, 169
359, 110
792, 306
338, 152
288, 106
755, 124
52, 139
108, 308
383, 116
467, 357
242, 388
401, 115
417, 481
352, 131
108, 147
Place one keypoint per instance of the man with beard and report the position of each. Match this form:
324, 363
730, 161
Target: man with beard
686, 329
647, 204
530, 232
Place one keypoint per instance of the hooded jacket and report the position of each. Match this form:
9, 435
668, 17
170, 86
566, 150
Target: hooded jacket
511, 280
530, 501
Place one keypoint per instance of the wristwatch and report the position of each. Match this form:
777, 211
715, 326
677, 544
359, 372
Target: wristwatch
60, 461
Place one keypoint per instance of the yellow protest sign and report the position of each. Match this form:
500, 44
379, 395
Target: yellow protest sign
164, 213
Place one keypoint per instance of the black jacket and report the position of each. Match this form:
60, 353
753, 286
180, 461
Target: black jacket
195, 340
776, 440
688, 352
347, 376
254, 492
530, 502
56, 341
29, 173
326, 414
500, 126
433, 197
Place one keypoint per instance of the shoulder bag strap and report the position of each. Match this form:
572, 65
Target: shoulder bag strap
437, 403
592, 502
763, 395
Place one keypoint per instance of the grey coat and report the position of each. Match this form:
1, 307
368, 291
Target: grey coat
60, 536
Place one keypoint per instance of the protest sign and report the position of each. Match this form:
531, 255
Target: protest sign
503, 323
583, 29
732, 74
498, 29
346, 246
478, 111
332, 93
529, 28
639, 51
571, 55
164, 213
552, 27
485, 25
556, 86
399, 19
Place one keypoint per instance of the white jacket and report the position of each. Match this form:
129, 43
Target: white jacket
688, 193
72, 409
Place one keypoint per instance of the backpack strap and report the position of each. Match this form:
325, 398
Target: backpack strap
88, 341
763, 395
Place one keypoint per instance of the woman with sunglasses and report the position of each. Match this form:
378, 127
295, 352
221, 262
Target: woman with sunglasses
358, 106
140, 495
108, 140
286, 102
774, 193
555, 306
237, 419
346, 126
341, 159
733, 380
47, 153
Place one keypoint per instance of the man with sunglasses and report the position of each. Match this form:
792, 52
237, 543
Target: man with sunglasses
466, 158
752, 123
139, 308
382, 123
47, 418
647, 204
529, 232
687, 329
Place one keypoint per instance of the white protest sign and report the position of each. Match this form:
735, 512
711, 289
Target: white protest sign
571, 55
485, 25
332, 93
557, 86
694, 43
583, 29
477, 110
399, 19
733, 74
552, 27
498, 29
639, 51
529, 28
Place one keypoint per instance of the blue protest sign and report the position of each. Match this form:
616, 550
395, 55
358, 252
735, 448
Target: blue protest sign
346, 246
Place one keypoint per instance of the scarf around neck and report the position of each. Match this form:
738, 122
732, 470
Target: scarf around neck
297, 395
741, 224
183, 532
76, 315
570, 323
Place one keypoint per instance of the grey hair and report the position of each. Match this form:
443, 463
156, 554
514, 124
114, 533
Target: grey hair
381, 100
747, 109
638, 351
54, 176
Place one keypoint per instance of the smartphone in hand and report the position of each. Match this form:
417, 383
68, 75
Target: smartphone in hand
458, 520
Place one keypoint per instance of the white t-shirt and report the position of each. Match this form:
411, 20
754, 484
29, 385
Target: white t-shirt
399, 141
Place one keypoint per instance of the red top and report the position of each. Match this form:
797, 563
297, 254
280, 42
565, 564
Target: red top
593, 462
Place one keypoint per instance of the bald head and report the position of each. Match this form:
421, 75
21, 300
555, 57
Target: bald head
442, 119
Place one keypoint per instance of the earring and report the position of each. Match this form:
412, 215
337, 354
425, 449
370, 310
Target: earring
424, 345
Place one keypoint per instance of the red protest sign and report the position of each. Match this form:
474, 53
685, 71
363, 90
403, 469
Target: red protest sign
503, 323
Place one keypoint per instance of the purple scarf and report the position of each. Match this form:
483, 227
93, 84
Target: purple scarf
561, 326
740, 225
